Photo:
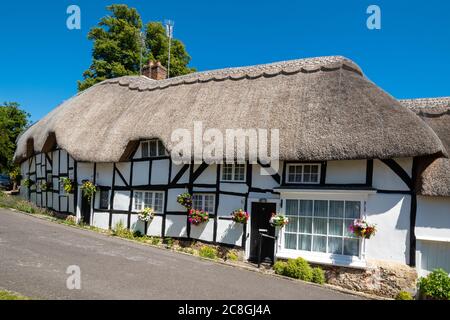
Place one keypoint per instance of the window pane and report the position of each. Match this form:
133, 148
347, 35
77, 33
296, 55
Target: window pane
197, 202
304, 242
158, 205
161, 149
314, 177
336, 227
320, 226
227, 172
153, 148
290, 241
335, 245
144, 146
306, 177
104, 199
352, 209
292, 226
337, 209
320, 208
351, 247
319, 244
137, 200
306, 208
315, 169
291, 207
209, 203
148, 199
239, 172
291, 170
305, 225
306, 169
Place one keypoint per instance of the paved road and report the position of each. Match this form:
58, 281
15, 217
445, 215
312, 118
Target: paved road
35, 254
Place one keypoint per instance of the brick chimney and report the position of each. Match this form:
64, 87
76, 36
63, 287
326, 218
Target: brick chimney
154, 70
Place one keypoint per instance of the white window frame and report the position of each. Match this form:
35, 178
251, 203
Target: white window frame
319, 172
233, 169
358, 261
134, 209
159, 153
203, 201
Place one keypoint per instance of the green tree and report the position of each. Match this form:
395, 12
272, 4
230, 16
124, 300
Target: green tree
13, 121
117, 46
157, 44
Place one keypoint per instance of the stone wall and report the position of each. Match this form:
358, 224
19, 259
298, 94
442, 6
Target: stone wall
380, 278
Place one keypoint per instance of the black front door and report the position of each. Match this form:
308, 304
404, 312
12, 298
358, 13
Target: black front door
261, 213
85, 209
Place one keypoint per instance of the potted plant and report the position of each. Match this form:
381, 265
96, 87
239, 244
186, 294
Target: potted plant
88, 189
197, 217
15, 177
362, 229
240, 216
67, 184
185, 199
278, 220
146, 214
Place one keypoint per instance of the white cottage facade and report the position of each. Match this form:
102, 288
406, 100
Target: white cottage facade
321, 186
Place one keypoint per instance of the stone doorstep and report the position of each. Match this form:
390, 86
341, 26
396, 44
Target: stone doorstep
237, 264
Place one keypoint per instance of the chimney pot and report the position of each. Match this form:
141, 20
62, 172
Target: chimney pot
155, 71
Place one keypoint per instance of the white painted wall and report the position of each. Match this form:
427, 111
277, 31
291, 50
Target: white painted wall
385, 179
390, 213
431, 255
346, 172
160, 171
229, 232
433, 218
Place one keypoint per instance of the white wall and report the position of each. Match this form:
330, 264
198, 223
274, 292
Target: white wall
386, 179
431, 255
391, 214
433, 218
346, 172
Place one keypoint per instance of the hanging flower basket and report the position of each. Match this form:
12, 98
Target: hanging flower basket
278, 220
240, 216
197, 217
27, 182
88, 189
146, 214
185, 199
67, 184
362, 229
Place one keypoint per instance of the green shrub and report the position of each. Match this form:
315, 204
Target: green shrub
232, 256
122, 232
208, 252
318, 275
155, 241
279, 267
299, 269
404, 295
436, 285
137, 234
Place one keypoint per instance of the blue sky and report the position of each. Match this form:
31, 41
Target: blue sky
41, 60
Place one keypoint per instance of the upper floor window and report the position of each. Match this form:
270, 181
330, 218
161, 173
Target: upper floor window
233, 172
148, 199
152, 148
303, 173
203, 202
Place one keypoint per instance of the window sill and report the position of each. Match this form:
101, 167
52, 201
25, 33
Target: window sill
323, 258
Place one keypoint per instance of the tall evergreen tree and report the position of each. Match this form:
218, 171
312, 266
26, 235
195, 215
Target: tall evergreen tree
117, 46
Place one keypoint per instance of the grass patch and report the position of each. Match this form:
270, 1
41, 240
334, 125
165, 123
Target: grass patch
232, 256
8, 295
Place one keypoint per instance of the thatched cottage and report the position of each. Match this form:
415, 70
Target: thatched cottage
348, 150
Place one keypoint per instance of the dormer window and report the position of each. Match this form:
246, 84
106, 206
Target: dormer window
152, 148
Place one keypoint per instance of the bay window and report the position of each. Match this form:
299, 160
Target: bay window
322, 226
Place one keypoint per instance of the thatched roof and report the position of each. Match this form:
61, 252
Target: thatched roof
435, 179
325, 109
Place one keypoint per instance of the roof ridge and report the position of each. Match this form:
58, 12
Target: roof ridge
432, 102
290, 67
